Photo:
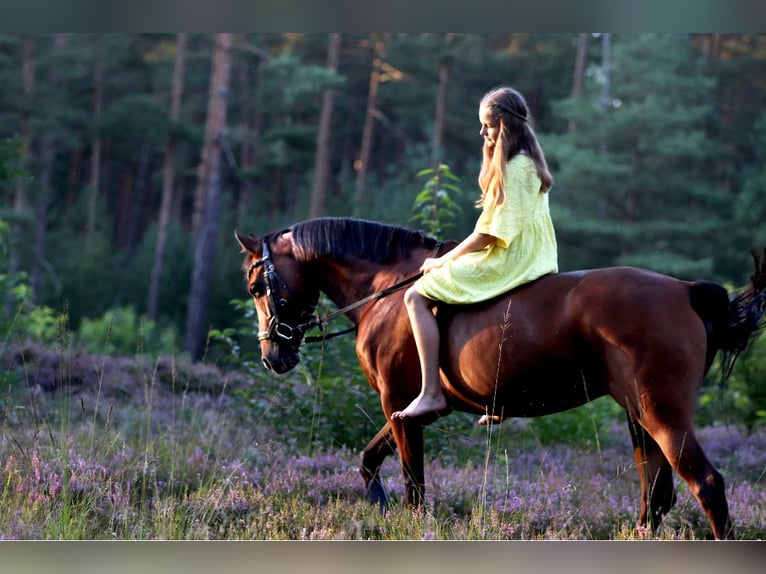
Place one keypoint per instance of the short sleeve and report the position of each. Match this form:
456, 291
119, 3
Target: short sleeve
522, 189
494, 221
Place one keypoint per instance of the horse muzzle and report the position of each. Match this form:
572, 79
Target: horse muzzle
280, 363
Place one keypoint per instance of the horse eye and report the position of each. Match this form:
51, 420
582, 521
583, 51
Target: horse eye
256, 290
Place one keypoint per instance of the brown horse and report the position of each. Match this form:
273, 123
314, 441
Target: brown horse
644, 338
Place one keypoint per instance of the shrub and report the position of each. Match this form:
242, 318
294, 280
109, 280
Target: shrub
122, 332
436, 207
742, 398
750, 375
19, 316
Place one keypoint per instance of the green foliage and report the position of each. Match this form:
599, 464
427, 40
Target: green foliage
291, 81
122, 332
19, 316
42, 324
742, 398
750, 376
291, 90
8, 284
100, 279
588, 426
345, 410
89, 284
392, 194
135, 121
10, 170
750, 207
174, 285
435, 207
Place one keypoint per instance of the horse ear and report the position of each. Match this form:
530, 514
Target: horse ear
247, 243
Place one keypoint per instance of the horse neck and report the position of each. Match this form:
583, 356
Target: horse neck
346, 282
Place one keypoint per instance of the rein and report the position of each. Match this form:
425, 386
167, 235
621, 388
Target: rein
279, 331
375, 296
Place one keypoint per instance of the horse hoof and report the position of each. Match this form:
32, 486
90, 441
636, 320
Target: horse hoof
376, 494
490, 419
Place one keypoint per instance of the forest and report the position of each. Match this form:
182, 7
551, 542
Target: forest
133, 403
130, 159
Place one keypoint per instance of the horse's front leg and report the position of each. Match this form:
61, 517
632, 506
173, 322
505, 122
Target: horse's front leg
372, 459
408, 435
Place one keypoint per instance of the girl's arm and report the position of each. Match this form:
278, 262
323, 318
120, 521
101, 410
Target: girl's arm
474, 242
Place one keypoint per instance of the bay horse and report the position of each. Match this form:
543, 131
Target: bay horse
644, 338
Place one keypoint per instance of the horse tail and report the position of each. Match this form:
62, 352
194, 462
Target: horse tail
731, 324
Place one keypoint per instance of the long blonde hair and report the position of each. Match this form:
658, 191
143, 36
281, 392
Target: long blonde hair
516, 135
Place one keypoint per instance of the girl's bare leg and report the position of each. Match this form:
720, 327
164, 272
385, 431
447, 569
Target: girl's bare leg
426, 332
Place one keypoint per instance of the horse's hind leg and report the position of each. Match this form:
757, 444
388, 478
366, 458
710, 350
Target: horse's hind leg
657, 494
372, 459
706, 483
680, 447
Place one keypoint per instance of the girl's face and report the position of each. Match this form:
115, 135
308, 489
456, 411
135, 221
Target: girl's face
490, 127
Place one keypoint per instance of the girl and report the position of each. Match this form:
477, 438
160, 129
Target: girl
513, 241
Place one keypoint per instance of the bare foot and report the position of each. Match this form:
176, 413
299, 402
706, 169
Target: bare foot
493, 419
422, 405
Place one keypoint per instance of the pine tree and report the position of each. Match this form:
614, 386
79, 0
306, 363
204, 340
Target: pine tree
209, 194
633, 182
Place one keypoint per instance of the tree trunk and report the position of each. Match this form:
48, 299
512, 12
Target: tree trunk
211, 147
168, 180
44, 192
123, 201
251, 124
439, 114
322, 158
606, 88
20, 198
95, 150
140, 195
579, 73
361, 164
74, 177
210, 168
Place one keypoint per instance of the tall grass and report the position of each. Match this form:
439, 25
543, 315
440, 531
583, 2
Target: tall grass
97, 447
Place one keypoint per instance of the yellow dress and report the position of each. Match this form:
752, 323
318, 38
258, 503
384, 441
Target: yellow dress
525, 246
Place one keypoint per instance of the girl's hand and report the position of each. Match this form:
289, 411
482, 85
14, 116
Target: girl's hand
474, 242
431, 263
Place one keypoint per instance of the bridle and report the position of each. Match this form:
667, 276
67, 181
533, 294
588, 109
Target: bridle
277, 330
281, 332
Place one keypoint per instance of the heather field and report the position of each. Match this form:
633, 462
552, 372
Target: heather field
97, 447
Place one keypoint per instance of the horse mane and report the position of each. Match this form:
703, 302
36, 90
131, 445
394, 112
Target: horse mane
339, 238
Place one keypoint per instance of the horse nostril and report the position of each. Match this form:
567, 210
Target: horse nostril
267, 364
